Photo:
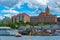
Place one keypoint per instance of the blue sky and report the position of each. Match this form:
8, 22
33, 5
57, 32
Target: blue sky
31, 7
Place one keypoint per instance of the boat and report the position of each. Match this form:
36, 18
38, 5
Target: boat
18, 35
24, 30
7, 31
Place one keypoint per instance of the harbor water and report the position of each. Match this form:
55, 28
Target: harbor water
30, 38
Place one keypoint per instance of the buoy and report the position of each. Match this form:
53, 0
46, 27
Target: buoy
18, 35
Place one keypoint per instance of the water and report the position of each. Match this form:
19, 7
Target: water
30, 38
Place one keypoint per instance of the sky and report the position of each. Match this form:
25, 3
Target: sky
9, 8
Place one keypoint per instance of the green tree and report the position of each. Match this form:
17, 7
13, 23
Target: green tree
12, 25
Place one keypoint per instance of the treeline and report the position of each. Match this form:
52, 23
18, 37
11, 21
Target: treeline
21, 23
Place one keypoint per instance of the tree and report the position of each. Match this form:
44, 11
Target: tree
12, 25
27, 23
47, 24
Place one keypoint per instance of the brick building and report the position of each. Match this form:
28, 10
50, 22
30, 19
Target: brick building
44, 17
34, 19
20, 17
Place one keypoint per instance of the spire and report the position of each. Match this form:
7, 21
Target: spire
47, 10
47, 6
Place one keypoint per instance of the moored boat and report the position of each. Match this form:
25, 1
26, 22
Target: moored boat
18, 35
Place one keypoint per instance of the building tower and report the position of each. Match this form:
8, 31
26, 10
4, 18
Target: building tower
47, 11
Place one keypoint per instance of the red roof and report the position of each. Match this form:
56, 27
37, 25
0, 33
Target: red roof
42, 13
22, 14
14, 16
19, 15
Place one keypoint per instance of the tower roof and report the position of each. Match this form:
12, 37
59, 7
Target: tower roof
47, 8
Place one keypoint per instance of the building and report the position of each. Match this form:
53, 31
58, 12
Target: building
44, 17
34, 19
6, 20
20, 17
58, 20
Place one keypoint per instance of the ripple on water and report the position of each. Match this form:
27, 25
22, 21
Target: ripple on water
30, 38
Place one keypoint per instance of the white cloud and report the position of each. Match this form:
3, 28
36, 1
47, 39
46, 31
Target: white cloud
1, 17
36, 3
8, 3
18, 3
58, 16
8, 15
43, 2
31, 3
10, 11
57, 2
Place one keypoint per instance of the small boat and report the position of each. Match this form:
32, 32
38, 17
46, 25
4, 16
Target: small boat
18, 35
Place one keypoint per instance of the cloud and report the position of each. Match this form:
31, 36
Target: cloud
18, 3
8, 3
58, 16
58, 2
9, 13
1, 17
43, 2
32, 4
